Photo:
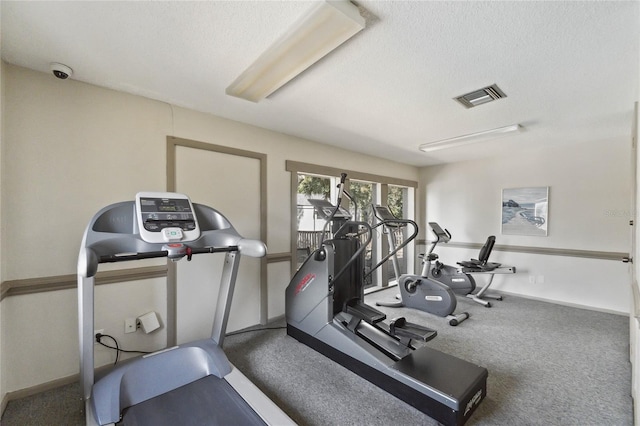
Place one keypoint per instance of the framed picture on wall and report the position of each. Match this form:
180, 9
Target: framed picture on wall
525, 211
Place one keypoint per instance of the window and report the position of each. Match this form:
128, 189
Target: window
311, 181
363, 195
309, 225
398, 202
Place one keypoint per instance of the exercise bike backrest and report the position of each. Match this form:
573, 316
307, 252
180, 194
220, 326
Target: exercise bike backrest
486, 249
482, 261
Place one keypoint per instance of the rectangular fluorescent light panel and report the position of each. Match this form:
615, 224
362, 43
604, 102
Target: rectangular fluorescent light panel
325, 27
471, 138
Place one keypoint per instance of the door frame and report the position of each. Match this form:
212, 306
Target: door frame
172, 144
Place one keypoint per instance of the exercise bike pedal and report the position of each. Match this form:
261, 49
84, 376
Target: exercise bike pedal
400, 327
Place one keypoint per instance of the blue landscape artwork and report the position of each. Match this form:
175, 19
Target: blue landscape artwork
524, 211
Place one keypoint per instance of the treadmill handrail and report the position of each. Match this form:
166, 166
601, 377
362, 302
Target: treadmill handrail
112, 235
163, 253
400, 247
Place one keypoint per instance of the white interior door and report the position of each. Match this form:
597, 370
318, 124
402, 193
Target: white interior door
230, 184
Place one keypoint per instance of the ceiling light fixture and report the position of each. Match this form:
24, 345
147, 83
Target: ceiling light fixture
470, 138
324, 28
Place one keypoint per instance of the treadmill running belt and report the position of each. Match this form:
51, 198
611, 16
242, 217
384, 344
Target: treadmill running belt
208, 401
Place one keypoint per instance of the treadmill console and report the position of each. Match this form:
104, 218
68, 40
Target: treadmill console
384, 213
165, 217
325, 208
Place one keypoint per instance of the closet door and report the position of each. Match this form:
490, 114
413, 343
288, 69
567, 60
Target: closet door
230, 184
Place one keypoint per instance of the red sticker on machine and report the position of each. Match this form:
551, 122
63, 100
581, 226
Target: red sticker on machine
304, 282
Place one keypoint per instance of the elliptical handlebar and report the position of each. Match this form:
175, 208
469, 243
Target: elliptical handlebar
343, 178
387, 222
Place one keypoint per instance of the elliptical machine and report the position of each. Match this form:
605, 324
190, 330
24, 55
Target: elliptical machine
325, 310
418, 291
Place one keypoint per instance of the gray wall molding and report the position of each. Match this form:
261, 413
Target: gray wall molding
279, 257
64, 282
545, 251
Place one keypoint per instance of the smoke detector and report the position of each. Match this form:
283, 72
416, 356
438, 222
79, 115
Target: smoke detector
481, 96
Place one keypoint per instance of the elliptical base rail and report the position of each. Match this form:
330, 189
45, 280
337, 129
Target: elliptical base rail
453, 388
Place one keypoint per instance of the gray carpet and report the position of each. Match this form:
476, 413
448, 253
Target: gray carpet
548, 365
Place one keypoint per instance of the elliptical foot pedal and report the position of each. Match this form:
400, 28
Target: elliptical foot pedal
400, 327
363, 311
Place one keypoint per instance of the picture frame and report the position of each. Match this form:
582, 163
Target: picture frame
525, 211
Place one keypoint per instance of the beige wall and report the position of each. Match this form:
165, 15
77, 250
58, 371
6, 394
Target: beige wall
589, 209
71, 148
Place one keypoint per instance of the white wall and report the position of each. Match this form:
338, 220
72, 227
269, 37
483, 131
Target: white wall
589, 209
2, 376
71, 148
634, 323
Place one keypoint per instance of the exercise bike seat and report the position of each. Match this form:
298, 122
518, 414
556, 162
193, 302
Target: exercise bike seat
474, 265
428, 256
482, 262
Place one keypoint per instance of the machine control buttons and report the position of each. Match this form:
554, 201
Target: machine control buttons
172, 234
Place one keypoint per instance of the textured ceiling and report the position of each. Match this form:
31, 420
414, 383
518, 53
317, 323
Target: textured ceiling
570, 69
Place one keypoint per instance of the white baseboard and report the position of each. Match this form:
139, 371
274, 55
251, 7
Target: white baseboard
557, 302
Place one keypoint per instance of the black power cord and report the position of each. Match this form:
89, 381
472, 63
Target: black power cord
99, 336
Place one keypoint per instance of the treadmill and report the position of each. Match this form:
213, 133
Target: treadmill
188, 384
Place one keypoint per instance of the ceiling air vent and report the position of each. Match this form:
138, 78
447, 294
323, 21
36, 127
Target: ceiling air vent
482, 96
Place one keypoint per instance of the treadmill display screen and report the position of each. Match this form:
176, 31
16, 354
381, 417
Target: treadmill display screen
160, 213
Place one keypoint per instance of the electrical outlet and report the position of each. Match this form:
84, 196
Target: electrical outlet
532, 279
130, 325
101, 331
